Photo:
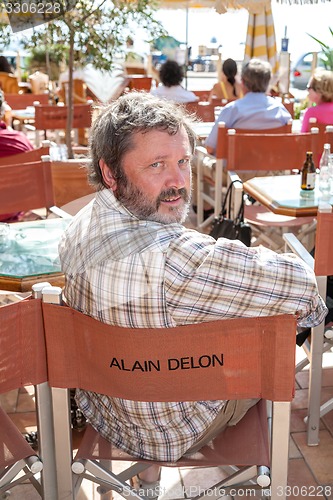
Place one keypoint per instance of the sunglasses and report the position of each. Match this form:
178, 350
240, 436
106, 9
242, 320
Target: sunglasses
310, 87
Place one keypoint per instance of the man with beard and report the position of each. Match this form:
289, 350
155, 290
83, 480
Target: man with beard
130, 262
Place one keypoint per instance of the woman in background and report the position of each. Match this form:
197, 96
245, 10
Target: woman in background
5, 67
228, 88
320, 90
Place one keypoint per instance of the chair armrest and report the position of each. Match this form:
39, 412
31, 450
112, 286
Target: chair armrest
60, 213
293, 243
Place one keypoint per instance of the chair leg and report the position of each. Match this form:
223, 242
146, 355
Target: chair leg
316, 357
46, 441
280, 450
63, 438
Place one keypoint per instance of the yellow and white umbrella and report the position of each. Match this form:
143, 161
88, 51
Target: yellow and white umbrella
260, 38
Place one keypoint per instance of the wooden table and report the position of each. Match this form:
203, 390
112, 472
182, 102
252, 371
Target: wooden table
283, 196
32, 255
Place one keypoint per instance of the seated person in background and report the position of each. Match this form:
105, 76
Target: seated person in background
171, 76
12, 142
320, 89
228, 88
141, 149
255, 110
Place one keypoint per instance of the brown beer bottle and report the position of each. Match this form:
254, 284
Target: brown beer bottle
308, 173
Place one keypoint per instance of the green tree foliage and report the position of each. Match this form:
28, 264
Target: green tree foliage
94, 31
327, 57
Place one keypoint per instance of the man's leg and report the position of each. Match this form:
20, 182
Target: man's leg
232, 412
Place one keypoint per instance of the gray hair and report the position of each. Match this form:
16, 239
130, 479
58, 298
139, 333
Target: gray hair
113, 130
256, 75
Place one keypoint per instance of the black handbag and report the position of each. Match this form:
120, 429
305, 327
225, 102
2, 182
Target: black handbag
231, 229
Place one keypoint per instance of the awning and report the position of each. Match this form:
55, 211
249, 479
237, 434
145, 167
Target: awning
260, 39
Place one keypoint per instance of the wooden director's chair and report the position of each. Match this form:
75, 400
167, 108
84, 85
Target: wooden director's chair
256, 359
23, 362
320, 340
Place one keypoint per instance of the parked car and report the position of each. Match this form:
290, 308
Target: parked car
301, 71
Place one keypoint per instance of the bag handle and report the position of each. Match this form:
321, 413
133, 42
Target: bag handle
228, 198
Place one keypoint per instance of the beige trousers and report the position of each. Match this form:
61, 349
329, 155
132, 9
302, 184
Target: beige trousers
232, 412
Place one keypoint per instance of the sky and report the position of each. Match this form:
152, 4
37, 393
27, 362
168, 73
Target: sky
230, 29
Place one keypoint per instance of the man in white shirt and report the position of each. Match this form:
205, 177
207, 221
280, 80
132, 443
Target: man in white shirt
171, 76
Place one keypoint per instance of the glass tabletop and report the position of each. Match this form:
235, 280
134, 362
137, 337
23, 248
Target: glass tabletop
31, 248
282, 194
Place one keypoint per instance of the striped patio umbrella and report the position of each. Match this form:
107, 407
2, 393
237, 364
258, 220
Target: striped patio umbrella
260, 38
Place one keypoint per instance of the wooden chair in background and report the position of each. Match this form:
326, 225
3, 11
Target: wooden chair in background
23, 362
320, 341
259, 371
202, 94
27, 186
55, 118
9, 83
69, 180
140, 83
216, 178
203, 110
270, 153
21, 101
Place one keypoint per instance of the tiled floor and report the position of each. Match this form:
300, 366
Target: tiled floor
309, 467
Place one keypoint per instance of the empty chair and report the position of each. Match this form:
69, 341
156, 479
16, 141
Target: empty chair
216, 177
23, 362
55, 118
319, 342
258, 370
27, 186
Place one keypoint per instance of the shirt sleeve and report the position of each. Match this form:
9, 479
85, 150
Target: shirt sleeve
224, 116
208, 280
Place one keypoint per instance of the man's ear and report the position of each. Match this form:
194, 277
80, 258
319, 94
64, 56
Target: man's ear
108, 178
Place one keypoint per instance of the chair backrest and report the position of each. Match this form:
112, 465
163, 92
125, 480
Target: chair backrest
140, 83
8, 83
21, 101
23, 359
186, 363
79, 91
222, 136
204, 111
26, 186
27, 156
202, 94
55, 117
69, 179
23, 362
325, 134
323, 264
268, 152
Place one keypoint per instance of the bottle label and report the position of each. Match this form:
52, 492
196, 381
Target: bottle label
310, 180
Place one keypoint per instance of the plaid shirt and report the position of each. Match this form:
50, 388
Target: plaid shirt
138, 274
